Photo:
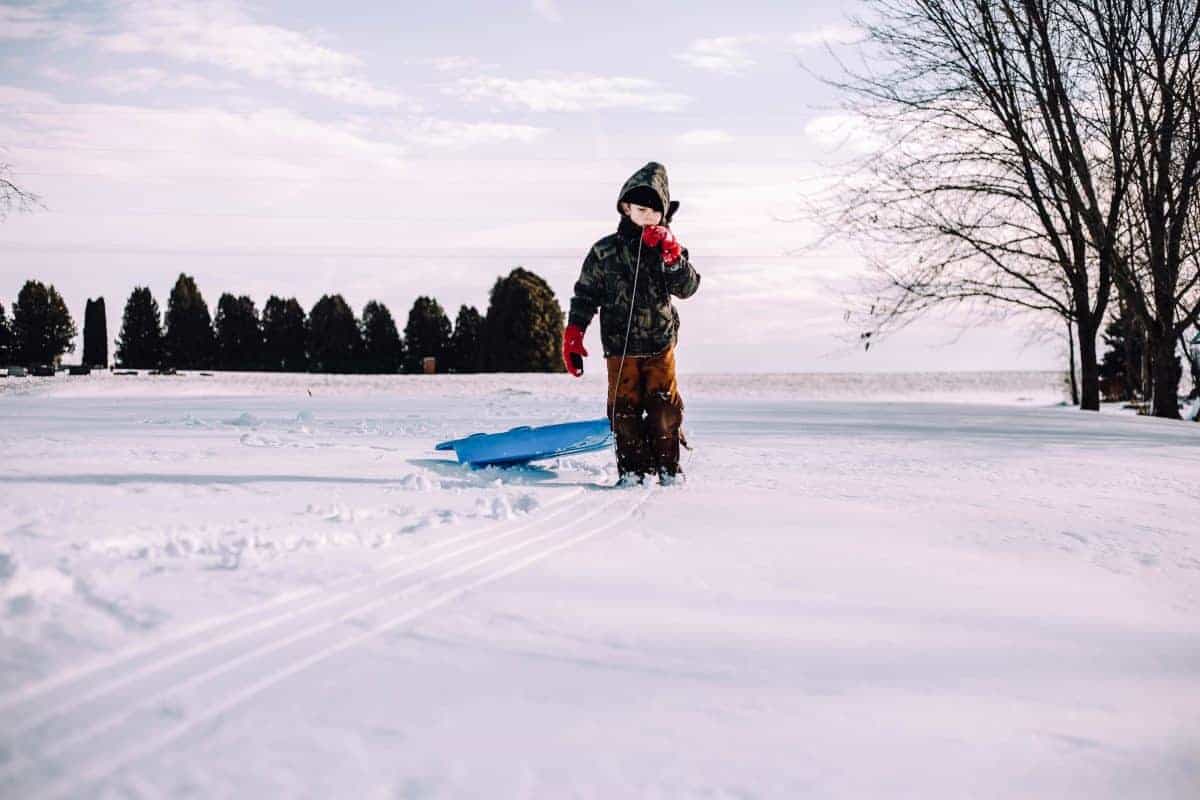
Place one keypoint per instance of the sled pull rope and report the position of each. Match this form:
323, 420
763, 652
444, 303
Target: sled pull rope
612, 398
629, 322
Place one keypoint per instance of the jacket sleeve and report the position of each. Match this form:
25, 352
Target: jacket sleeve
681, 278
589, 291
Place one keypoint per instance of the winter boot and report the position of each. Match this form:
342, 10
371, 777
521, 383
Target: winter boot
676, 478
633, 457
664, 416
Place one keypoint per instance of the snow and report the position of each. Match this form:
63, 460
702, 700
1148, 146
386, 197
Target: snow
933, 586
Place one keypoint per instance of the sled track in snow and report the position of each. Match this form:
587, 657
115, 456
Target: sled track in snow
325, 596
182, 684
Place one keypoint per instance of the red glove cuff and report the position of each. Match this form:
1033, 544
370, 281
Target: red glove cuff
671, 251
572, 345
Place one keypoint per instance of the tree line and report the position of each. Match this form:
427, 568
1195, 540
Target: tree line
520, 332
1038, 157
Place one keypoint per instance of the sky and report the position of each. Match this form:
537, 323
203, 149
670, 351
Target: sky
390, 150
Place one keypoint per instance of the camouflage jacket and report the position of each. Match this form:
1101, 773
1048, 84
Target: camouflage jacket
606, 282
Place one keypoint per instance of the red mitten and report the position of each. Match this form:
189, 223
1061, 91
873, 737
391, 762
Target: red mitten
661, 236
653, 234
573, 346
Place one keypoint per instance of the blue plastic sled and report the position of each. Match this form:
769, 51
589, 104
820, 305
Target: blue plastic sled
525, 444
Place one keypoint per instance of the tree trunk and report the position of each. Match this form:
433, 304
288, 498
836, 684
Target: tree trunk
1135, 361
1147, 379
1089, 368
1071, 364
1164, 376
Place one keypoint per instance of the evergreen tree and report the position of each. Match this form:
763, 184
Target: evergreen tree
524, 325
95, 334
42, 328
464, 342
426, 334
383, 352
285, 335
188, 342
5, 338
238, 333
1122, 364
140, 345
334, 340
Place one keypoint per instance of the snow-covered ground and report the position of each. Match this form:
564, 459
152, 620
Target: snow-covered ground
940, 586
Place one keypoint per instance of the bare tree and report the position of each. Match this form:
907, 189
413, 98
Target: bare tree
998, 185
1159, 271
12, 196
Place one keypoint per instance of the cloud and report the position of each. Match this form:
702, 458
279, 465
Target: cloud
223, 35
705, 137
449, 63
571, 92
844, 131
39, 20
829, 34
451, 135
724, 54
733, 55
151, 145
57, 75
547, 9
19, 22
144, 79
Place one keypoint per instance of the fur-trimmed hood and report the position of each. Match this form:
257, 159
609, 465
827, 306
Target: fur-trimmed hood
653, 176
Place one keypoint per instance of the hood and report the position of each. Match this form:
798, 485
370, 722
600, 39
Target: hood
653, 175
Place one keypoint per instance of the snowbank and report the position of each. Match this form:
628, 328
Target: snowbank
268, 585
1009, 388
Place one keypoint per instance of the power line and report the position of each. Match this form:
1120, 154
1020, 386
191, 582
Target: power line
376, 178
459, 254
139, 213
152, 213
369, 112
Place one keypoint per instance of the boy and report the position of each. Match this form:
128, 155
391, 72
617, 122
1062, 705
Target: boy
630, 276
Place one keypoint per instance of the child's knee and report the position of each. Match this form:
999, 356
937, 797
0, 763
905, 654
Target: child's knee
627, 421
664, 413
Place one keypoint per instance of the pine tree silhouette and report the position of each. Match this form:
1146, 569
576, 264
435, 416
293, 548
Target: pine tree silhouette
238, 333
524, 325
383, 352
285, 335
464, 342
95, 334
42, 328
334, 339
426, 334
140, 345
188, 341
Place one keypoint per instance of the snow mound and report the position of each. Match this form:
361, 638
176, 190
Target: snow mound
415, 482
27, 595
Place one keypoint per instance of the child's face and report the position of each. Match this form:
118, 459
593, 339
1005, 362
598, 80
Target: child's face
641, 215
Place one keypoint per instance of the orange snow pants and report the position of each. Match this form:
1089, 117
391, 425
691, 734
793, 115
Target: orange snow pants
646, 412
